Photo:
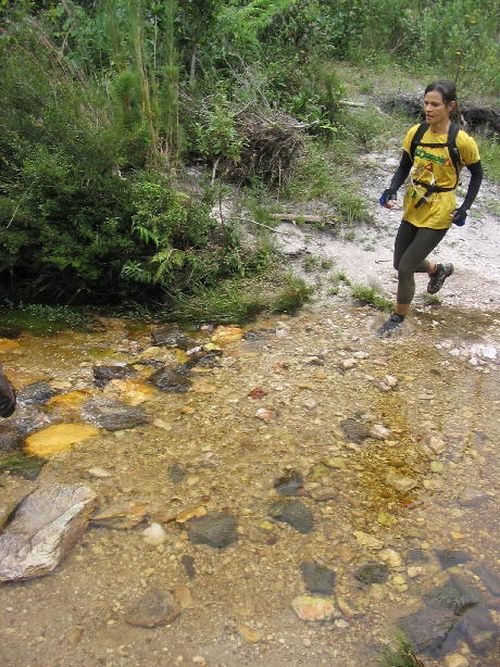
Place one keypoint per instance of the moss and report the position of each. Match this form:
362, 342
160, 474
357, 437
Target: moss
23, 465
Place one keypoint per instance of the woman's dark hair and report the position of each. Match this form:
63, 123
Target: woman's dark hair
447, 89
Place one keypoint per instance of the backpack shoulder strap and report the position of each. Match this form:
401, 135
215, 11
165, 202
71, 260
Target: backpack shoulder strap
453, 130
419, 133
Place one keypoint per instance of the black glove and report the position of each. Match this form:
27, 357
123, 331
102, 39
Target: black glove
387, 195
459, 216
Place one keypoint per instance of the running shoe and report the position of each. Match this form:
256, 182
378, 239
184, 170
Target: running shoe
437, 279
392, 325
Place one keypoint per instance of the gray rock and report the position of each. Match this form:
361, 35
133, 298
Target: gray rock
354, 430
36, 393
294, 513
217, 529
112, 415
104, 374
28, 419
317, 578
289, 484
176, 473
489, 579
372, 572
479, 630
10, 439
427, 629
154, 608
188, 564
170, 336
417, 557
172, 380
43, 529
451, 557
455, 594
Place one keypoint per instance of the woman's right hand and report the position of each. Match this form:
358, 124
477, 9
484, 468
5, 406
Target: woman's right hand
388, 199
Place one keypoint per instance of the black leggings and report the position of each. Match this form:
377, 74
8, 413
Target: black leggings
411, 248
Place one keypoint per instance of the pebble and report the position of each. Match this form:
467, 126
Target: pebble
456, 660
391, 557
402, 484
154, 535
379, 432
100, 473
368, 541
313, 608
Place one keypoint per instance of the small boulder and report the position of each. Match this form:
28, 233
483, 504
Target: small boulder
152, 609
294, 513
35, 393
312, 608
354, 430
372, 572
113, 415
172, 380
104, 374
217, 529
289, 484
317, 578
10, 439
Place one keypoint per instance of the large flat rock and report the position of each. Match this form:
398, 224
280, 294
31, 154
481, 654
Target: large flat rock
45, 526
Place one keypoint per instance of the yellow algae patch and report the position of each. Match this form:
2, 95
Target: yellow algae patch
70, 402
58, 438
227, 335
181, 356
131, 392
8, 345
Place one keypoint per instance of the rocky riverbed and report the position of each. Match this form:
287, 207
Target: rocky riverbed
289, 493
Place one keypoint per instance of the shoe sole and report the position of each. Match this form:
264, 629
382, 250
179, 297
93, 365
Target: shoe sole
435, 290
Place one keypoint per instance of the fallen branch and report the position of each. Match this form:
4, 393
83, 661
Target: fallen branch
291, 217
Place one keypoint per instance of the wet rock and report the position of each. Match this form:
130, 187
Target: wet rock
451, 557
119, 515
368, 541
154, 608
354, 430
170, 336
10, 439
172, 380
25, 466
455, 594
427, 629
248, 634
183, 596
188, 564
402, 484
29, 418
317, 578
323, 494
98, 472
372, 572
456, 660
311, 608
417, 557
204, 358
474, 500
489, 579
379, 432
14, 495
225, 335
294, 513
391, 557
289, 484
10, 331
45, 526
265, 415
58, 438
478, 629
176, 473
217, 529
35, 394
104, 374
113, 415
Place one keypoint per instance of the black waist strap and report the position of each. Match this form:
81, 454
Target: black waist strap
432, 188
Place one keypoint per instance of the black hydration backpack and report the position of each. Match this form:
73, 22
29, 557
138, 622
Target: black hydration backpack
453, 151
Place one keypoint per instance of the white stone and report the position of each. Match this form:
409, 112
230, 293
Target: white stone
391, 557
456, 660
379, 432
154, 535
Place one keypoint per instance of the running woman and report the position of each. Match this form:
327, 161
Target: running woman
429, 206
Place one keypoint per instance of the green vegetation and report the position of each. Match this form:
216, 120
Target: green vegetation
401, 655
368, 295
23, 465
41, 319
107, 106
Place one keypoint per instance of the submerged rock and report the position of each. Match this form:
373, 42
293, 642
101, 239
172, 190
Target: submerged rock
372, 572
172, 380
294, 513
45, 526
154, 608
289, 484
36, 393
451, 557
427, 629
10, 439
23, 465
455, 594
312, 608
58, 438
113, 415
104, 374
317, 578
354, 430
170, 336
217, 529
